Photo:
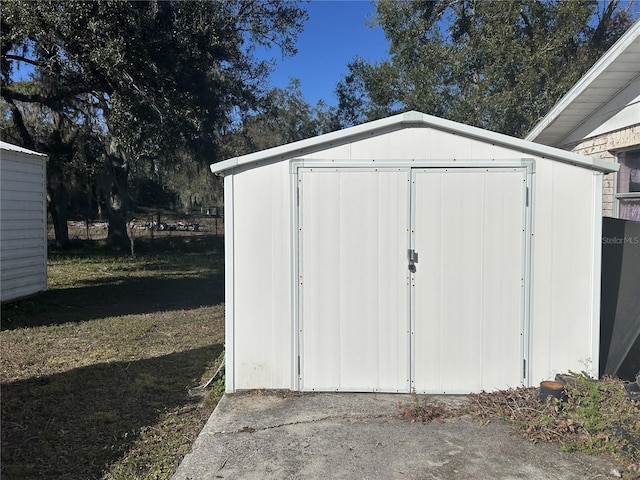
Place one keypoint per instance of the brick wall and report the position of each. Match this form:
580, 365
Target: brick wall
604, 147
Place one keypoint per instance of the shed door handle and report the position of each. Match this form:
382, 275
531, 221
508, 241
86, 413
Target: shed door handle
412, 257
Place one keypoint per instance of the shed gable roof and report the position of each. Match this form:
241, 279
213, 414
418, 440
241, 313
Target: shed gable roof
614, 72
410, 119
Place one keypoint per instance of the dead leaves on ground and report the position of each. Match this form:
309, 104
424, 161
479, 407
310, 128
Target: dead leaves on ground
596, 417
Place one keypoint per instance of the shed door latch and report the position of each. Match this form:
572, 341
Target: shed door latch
412, 257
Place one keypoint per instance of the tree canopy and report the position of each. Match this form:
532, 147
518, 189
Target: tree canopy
149, 82
283, 117
496, 65
145, 94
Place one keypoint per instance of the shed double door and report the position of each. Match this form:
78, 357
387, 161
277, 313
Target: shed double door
411, 279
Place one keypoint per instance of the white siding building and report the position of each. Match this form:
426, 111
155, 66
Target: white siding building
23, 222
411, 253
600, 117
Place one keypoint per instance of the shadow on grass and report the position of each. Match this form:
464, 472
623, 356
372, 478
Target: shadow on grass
125, 296
111, 296
75, 424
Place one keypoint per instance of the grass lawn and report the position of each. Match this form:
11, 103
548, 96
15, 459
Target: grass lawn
100, 373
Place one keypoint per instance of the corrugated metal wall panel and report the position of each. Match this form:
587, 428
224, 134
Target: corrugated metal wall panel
17, 292
563, 263
394, 145
12, 175
262, 312
320, 288
354, 281
28, 214
18, 206
18, 166
22, 195
418, 143
32, 175
10, 246
23, 251
23, 246
16, 233
21, 264
29, 271
504, 282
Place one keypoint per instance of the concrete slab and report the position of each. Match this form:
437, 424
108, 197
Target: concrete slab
358, 436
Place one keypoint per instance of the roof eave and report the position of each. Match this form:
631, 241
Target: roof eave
537, 149
10, 147
585, 81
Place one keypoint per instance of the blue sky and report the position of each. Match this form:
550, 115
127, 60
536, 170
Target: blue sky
335, 33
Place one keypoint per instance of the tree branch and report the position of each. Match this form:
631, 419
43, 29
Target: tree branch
10, 94
607, 15
18, 120
20, 58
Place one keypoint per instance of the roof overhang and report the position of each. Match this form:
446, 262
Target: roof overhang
14, 148
408, 120
611, 74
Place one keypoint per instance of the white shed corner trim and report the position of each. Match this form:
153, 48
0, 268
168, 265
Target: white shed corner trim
410, 253
23, 222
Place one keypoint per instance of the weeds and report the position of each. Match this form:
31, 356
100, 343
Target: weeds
597, 418
424, 412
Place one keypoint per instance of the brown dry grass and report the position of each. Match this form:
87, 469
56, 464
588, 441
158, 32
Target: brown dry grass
596, 417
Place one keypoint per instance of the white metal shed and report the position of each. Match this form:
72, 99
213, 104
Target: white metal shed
23, 222
410, 253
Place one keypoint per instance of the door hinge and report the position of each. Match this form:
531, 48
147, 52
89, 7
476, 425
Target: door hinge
298, 365
527, 197
524, 368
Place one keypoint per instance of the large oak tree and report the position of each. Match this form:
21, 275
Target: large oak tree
499, 65
145, 84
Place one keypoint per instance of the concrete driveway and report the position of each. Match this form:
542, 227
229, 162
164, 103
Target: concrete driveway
358, 436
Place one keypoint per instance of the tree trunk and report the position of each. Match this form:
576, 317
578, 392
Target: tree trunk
115, 189
117, 217
58, 210
57, 195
